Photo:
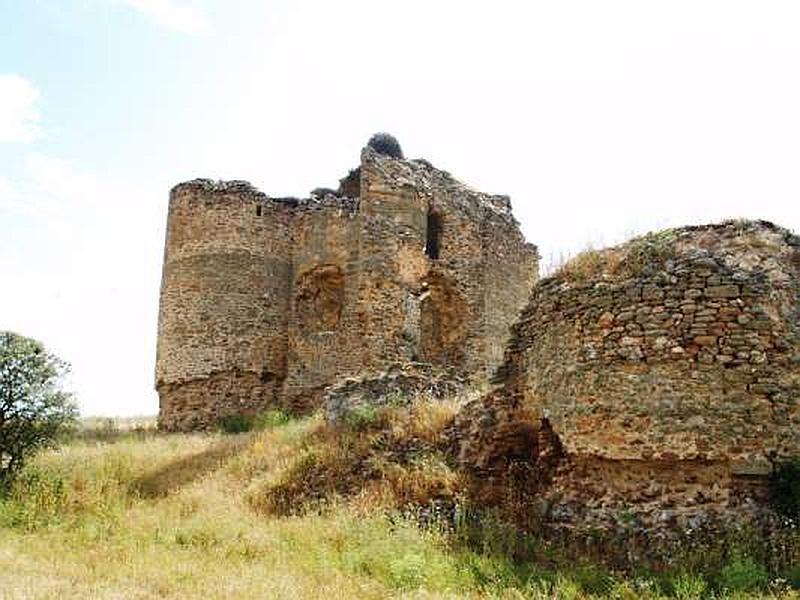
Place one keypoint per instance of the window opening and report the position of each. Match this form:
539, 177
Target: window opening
434, 232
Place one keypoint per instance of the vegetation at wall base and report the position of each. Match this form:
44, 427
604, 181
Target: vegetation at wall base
188, 516
243, 423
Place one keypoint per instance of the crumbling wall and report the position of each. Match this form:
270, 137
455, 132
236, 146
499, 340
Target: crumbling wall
224, 302
432, 242
444, 320
397, 385
509, 270
323, 327
392, 221
677, 353
269, 301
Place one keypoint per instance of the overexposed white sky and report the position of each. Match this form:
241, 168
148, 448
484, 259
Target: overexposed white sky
601, 120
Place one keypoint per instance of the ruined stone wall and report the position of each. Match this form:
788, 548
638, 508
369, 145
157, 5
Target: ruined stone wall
677, 353
266, 302
509, 271
392, 223
397, 303
323, 319
446, 305
224, 302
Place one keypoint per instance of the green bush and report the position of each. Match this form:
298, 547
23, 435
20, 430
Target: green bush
793, 577
244, 423
235, 423
362, 417
743, 575
785, 487
37, 498
271, 418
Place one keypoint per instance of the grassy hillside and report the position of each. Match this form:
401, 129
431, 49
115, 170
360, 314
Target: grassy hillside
293, 511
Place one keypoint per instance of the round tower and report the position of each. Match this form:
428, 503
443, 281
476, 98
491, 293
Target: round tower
222, 331
658, 377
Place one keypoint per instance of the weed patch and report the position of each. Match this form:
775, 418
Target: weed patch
386, 456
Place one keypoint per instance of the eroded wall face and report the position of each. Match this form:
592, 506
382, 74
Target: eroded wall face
392, 264
323, 322
224, 303
683, 360
453, 302
431, 246
695, 362
510, 270
444, 321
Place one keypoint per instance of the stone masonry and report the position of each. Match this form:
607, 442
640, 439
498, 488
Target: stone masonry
659, 379
266, 302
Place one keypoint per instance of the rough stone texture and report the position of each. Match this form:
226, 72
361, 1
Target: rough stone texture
398, 385
268, 301
668, 370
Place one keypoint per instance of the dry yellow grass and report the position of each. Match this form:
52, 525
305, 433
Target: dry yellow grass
140, 517
166, 517
388, 458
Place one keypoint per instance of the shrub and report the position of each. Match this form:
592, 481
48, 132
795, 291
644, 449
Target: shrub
583, 266
235, 423
34, 412
793, 577
785, 488
37, 498
742, 575
362, 417
271, 418
383, 456
244, 423
649, 252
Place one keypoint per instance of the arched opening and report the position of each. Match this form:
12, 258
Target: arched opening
433, 235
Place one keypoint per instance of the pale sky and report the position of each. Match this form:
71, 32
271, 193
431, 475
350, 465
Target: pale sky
601, 120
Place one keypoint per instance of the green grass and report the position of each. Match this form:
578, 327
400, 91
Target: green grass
171, 516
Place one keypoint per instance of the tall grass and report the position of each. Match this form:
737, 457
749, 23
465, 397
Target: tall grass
173, 516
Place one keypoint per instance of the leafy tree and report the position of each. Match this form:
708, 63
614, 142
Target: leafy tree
34, 412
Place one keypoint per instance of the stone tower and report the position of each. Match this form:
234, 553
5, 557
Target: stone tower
268, 301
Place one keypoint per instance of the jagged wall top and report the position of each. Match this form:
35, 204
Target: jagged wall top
266, 301
418, 174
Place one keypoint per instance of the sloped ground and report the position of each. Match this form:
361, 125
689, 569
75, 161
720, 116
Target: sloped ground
294, 511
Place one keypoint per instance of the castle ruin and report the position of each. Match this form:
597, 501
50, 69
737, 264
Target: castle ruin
265, 302
658, 379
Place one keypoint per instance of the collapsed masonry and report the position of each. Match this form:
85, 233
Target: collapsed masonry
658, 380
265, 302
